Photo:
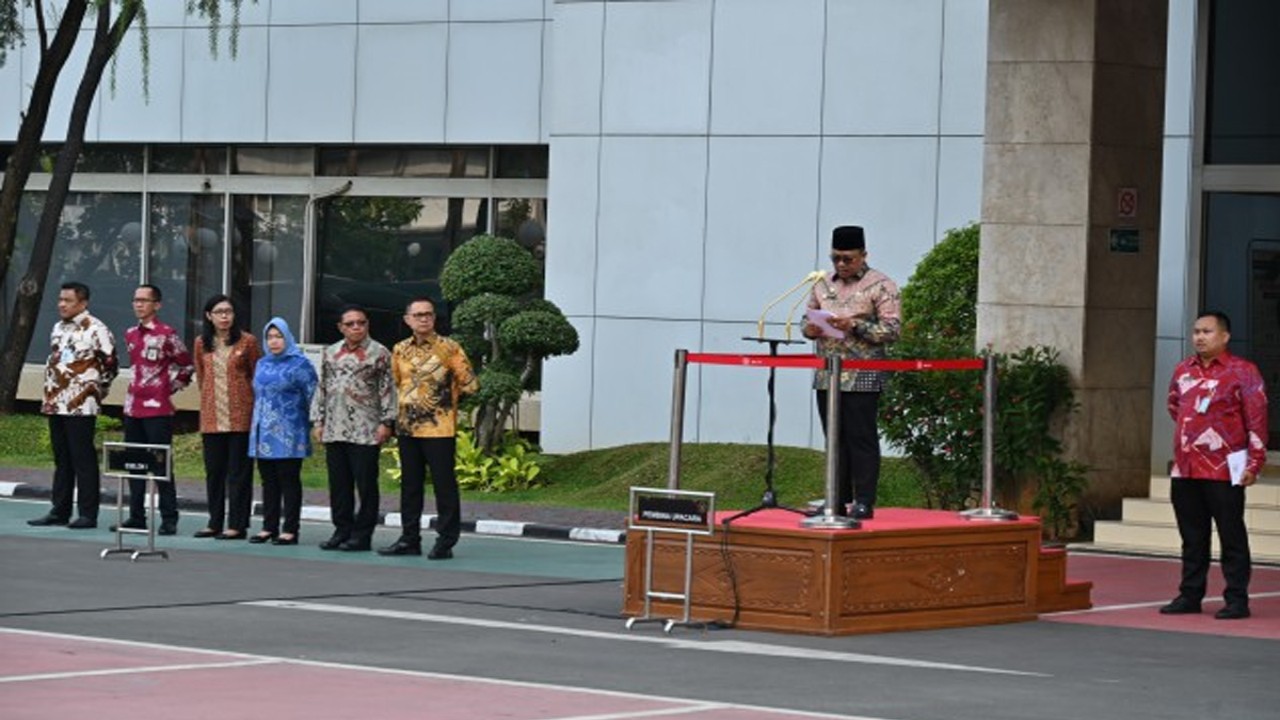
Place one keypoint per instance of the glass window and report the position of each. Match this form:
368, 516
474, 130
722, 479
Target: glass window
98, 244
266, 259
185, 255
523, 161
381, 252
525, 221
189, 159
273, 161
1244, 69
110, 159
438, 162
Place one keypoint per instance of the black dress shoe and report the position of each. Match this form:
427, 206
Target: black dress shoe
130, 524
230, 535
1181, 606
82, 523
47, 520
168, 528
862, 511
440, 552
281, 540
355, 546
402, 547
1233, 612
262, 537
206, 533
333, 543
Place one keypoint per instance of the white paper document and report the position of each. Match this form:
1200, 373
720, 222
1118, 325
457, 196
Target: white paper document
1236, 463
821, 319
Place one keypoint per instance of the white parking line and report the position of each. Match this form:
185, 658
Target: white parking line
133, 670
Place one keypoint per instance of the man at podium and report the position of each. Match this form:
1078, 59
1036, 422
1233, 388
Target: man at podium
854, 313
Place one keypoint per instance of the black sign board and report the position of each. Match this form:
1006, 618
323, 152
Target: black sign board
672, 510
146, 461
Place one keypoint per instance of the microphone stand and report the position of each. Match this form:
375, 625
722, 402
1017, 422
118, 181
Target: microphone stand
770, 498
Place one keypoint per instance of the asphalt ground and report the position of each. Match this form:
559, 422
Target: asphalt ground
522, 628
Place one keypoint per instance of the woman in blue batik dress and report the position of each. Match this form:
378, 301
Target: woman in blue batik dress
280, 435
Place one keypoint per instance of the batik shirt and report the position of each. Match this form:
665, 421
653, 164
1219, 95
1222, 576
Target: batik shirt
82, 363
354, 396
161, 366
873, 299
1217, 409
431, 377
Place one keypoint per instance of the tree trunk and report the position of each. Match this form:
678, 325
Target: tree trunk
26, 306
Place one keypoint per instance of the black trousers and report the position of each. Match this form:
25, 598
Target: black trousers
281, 495
156, 431
75, 466
416, 456
228, 480
858, 464
353, 470
1197, 503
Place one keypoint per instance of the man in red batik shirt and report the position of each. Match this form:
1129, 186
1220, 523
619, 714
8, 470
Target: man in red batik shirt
1219, 409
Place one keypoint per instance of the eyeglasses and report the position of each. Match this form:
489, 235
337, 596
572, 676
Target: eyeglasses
354, 323
222, 311
837, 258
422, 315
144, 300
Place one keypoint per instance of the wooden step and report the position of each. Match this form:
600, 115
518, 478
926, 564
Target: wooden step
1163, 539
1054, 592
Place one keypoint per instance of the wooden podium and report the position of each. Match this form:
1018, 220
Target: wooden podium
904, 570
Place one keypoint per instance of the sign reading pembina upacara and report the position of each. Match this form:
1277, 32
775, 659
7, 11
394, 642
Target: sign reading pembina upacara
138, 462
672, 510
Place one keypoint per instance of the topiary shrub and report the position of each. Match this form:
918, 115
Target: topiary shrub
935, 418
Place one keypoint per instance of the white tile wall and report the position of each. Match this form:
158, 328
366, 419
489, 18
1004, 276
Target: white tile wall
470, 10
867, 38
656, 67
225, 98
400, 83
312, 12
633, 370
403, 11
311, 91
571, 224
769, 87
128, 114
573, 88
64, 94
959, 183
495, 82
566, 413
651, 227
762, 213
964, 67
12, 97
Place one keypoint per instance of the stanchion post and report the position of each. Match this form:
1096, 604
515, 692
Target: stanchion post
831, 517
987, 509
677, 418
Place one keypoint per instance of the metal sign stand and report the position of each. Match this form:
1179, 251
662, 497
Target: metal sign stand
125, 461
652, 528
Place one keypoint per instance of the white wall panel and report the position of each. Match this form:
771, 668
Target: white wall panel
882, 66
127, 114
656, 67
572, 203
767, 69
573, 88
964, 67
495, 82
1169, 352
632, 380
225, 99
64, 94
400, 73
885, 185
403, 11
959, 183
735, 401
762, 213
312, 12
12, 100
1180, 68
1175, 238
651, 227
566, 413
311, 91
470, 10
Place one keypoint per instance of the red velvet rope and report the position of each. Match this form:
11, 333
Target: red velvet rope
813, 361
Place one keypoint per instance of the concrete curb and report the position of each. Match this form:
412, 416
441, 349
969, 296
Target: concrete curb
320, 513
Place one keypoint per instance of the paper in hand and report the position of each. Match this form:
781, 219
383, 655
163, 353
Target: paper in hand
821, 319
1236, 463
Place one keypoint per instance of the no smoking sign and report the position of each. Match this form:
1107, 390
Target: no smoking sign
1127, 203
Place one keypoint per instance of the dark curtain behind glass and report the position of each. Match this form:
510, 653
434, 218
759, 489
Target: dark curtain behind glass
1243, 115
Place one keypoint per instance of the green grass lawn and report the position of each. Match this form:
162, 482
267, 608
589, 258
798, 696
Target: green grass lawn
594, 479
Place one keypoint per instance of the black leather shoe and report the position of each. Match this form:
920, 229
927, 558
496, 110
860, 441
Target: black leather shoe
1181, 606
282, 540
206, 533
862, 511
230, 535
355, 546
168, 528
1233, 612
262, 537
130, 524
401, 547
82, 523
47, 520
440, 552
333, 543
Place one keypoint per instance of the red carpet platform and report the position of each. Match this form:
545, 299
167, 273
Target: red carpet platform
904, 570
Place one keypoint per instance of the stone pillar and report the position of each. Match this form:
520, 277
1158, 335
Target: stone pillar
1075, 114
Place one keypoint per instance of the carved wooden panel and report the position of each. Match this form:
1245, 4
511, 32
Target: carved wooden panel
897, 580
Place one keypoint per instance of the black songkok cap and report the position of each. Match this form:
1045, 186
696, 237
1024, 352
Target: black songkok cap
848, 237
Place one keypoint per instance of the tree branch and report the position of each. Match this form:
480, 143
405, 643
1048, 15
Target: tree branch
40, 26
